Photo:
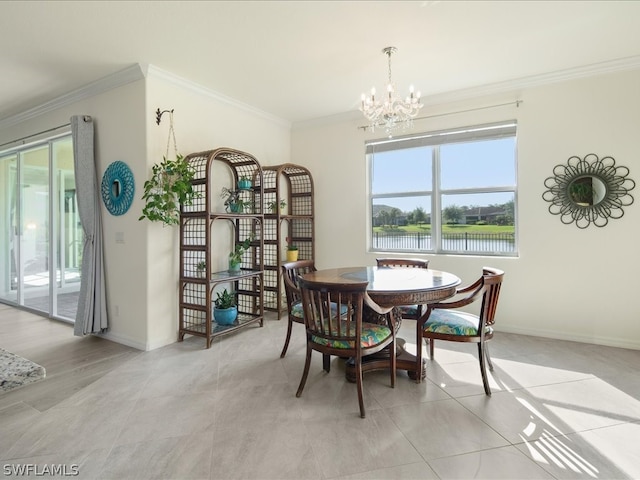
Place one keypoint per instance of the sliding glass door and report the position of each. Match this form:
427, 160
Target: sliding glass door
41, 245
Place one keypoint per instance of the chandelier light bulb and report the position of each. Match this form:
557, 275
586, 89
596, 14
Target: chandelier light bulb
394, 112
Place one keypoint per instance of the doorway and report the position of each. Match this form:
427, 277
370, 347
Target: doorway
41, 242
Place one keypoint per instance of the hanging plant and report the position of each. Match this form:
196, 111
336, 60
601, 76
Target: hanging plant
169, 186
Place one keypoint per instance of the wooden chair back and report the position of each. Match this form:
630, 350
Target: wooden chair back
492, 281
290, 273
402, 262
333, 313
333, 320
486, 289
412, 312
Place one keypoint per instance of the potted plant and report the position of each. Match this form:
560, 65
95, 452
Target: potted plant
244, 183
235, 257
168, 188
233, 202
273, 205
292, 251
201, 268
225, 311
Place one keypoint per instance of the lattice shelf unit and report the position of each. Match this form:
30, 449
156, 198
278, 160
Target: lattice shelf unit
293, 184
207, 234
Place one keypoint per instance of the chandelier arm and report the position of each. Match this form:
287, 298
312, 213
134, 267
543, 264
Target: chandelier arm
394, 111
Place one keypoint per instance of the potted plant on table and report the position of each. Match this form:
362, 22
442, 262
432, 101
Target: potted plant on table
225, 311
292, 251
235, 257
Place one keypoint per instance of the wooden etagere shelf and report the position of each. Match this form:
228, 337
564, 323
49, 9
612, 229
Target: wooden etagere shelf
204, 227
294, 224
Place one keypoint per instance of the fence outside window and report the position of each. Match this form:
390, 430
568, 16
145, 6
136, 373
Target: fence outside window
470, 242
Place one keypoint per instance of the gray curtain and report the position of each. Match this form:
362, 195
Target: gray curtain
91, 316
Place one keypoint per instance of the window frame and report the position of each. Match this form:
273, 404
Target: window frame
435, 140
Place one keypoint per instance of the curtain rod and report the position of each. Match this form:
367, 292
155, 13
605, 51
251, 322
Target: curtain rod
516, 103
86, 118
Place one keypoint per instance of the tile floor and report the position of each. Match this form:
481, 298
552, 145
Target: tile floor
559, 410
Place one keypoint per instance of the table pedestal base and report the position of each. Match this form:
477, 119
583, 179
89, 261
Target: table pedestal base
380, 361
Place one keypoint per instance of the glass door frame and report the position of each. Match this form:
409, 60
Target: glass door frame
57, 224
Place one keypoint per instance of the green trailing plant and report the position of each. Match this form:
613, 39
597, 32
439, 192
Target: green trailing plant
235, 257
273, 205
201, 266
168, 188
233, 202
225, 299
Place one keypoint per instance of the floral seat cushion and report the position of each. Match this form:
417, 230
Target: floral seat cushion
371, 334
452, 322
296, 310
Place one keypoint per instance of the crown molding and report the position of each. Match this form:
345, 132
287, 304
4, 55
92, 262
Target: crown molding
602, 68
155, 72
508, 86
131, 74
139, 71
117, 79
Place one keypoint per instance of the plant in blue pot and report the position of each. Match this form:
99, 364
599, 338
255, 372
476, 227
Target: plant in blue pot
225, 311
244, 183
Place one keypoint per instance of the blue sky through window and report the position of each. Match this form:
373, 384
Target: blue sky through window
477, 164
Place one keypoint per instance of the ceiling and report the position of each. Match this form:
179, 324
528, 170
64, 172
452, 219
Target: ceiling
303, 60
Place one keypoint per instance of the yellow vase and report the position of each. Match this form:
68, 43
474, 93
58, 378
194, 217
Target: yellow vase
292, 255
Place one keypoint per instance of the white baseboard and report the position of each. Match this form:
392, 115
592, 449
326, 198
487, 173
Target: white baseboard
572, 337
114, 337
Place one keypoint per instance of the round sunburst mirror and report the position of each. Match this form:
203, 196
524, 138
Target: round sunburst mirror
588, 190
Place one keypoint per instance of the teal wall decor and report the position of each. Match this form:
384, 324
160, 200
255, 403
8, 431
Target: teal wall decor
118, 187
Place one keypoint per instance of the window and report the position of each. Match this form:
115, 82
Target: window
445, 192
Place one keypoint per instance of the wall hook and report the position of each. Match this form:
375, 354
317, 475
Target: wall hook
159, 114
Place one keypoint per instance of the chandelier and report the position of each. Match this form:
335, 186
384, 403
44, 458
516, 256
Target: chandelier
392, 112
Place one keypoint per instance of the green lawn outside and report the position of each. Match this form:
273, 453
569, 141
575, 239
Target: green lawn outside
448, 229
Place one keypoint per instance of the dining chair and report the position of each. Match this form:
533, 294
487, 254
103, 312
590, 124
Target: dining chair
446, 322
290, 273
412, 312
331, 332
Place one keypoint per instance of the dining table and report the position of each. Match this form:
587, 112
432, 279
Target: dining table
392, 287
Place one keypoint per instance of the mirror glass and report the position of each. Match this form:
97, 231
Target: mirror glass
588, 190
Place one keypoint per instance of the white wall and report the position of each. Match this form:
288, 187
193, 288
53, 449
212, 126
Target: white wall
119, 121
566, 283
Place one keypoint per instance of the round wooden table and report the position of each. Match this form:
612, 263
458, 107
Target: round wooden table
393, 287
